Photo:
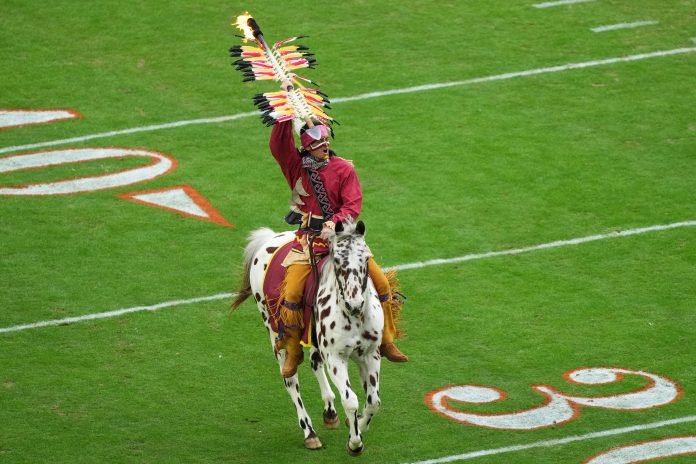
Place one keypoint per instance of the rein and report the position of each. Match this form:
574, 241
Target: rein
315, 272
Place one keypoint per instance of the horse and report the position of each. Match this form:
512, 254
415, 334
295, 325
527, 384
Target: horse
348, 324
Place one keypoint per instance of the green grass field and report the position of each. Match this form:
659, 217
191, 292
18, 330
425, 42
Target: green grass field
486, 165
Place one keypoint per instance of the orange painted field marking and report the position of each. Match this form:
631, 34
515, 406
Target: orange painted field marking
653, 450
558, 407
160, 165
20, 117
181, 199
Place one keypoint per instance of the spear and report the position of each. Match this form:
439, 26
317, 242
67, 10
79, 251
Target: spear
278, 62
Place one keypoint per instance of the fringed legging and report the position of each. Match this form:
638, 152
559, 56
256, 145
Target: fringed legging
291, 311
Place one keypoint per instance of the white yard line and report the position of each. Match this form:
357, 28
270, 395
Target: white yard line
559, 243
115, 313
133, 130
400, 267
558, 441
364, 96
559, 3
530, 72
613, 27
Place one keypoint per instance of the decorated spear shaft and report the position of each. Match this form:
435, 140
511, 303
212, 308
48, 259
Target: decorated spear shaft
261, 41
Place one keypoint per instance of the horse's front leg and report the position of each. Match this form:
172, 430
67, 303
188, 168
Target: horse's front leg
330, 414
369, 373
338, 370
292, 385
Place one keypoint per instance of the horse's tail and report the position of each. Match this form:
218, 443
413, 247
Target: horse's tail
396, 301
256, 240
243, 292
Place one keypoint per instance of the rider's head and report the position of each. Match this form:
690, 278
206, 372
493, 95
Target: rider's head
315, 140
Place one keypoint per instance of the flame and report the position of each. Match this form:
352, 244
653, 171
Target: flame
244, 27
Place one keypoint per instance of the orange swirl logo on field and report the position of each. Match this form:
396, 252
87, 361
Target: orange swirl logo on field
558, 407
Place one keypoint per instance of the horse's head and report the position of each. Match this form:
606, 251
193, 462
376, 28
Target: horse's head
349, 255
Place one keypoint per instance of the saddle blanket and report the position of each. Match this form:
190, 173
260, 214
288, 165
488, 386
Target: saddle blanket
273, 282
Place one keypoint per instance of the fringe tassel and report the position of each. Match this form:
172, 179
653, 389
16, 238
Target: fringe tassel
291, 318
275, 313
396, 302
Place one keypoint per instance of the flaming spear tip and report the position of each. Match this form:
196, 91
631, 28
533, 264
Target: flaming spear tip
246, 23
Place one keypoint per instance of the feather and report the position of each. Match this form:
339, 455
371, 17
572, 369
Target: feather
260, 62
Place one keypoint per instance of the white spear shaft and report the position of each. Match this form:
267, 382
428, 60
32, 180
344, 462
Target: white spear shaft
295, 98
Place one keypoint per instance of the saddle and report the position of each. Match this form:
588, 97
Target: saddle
272, 283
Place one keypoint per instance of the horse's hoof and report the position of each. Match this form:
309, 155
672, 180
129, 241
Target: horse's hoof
312, 442
354, 452
331, 420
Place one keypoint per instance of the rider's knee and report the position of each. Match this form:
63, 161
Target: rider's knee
295, 278
378, 278
294, 291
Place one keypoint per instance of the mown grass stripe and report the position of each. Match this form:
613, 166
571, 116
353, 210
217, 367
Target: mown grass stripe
115, 313
400, 267
556, 244
364, 96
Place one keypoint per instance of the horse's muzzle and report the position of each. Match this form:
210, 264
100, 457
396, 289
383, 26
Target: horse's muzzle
354, 306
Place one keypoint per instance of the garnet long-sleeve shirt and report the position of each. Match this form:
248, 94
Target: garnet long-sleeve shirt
339, 177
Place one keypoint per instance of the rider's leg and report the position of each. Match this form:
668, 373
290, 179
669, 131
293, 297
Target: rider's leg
292, 315
388, 349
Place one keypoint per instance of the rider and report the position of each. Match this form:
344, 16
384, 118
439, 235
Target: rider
345, 198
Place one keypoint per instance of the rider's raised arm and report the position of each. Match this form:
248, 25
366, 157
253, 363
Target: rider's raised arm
282, 146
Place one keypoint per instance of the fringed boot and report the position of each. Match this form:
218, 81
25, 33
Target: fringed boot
292, 317
293, 352
388, 349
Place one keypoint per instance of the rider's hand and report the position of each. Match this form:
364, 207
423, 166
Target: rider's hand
287, 85
327, 232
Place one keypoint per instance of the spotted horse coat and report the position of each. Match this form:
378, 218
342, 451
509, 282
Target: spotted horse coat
348, 323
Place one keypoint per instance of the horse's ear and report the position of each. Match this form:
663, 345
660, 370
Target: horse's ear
339, 227
360, 228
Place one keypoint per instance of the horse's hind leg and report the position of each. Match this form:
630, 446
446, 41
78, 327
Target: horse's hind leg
292, 385
327, 394
311, 440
